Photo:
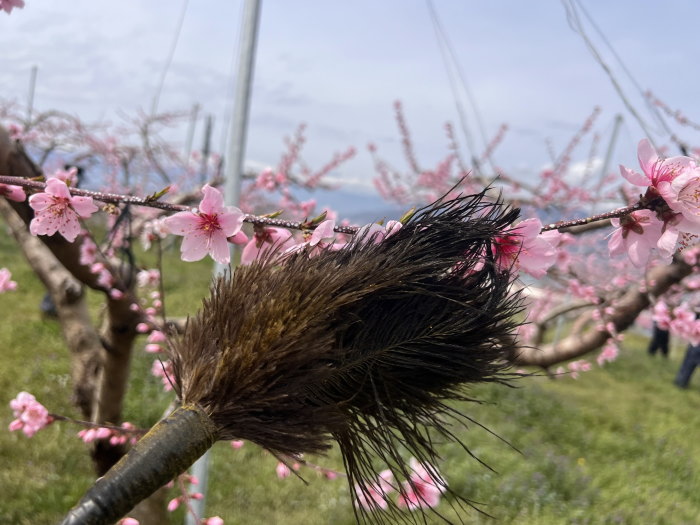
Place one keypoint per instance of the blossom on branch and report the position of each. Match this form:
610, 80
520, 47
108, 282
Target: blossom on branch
13, 193
265, 242
56, 210
30, 415
6, 282
637, 234
373, 496
205, 230
423, 488
522, 247
682, 194
655, 169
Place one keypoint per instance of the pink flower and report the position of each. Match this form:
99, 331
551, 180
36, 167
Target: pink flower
205, 231
375, 233
70, 176
214, 520
8, 5
13, 193
148, 278
174, 503
266, 242
682, 194
608, 354
282, 470
237, 443
521, 247
662, 315
423, 489
156, 336
655, 169
637, 234
30, 415
57, 211
88, 252
323, 233
6, 282
374, 495
128, 521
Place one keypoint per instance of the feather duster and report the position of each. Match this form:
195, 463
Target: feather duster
365, 345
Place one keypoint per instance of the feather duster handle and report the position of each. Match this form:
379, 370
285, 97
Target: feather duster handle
167, 450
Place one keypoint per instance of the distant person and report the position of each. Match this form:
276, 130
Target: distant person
690, 361
659, 340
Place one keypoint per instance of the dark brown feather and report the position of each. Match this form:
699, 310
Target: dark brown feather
364, 345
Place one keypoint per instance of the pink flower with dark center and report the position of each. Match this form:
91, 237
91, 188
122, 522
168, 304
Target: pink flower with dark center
655, 169
56, 210
13, 193
205, 231
522, 247
30, 415
682, 194
6, 282
637, 234
266, 242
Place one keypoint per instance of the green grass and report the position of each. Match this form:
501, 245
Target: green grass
617, 446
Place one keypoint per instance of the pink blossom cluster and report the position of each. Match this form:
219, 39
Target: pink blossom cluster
574, 369
30, 415
680, 320
6, 282
667, 226
153, 230
423, 489
115, 436
609, 353
185, 497
153, 341
684, 324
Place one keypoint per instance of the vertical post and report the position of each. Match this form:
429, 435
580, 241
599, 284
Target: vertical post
206, 148
235, 153
190, 132
609, 153
32, 89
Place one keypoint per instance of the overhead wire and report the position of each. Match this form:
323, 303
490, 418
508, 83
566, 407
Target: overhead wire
452, 65
169, 59
575, 23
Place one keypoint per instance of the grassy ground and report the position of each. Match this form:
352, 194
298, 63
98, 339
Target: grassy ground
619, 445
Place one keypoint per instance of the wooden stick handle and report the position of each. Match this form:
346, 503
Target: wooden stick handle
166, 451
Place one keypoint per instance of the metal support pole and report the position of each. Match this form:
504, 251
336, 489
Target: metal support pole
233, 170
32, 89
190, 132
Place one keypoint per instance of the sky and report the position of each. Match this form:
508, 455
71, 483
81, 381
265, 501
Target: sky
338, 66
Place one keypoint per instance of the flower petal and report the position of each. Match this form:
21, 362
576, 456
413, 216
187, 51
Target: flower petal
213, 201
